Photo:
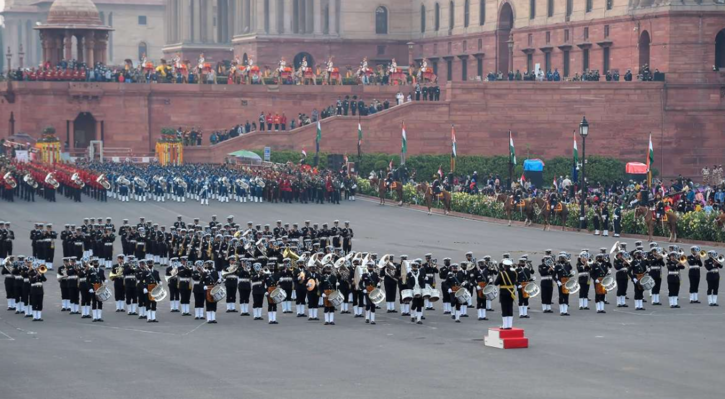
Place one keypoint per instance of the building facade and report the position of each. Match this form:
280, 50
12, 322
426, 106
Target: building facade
463, 39
138, 26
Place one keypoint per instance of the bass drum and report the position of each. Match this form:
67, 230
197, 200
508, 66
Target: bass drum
336, 298
490, 292
647, 283
406, 296
218, 293
609, 283
463, 295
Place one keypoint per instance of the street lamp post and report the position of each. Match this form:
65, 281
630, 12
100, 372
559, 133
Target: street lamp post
510, 43
411, 46
584, 132
9, 56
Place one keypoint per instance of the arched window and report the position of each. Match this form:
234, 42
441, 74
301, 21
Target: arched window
466, 13
381, 21
482, 13
451, 15
437, 17
644, 41
720, 50
422, 19
142, 49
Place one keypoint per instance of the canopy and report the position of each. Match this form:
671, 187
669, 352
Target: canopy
636, 168
534, 165
246, 154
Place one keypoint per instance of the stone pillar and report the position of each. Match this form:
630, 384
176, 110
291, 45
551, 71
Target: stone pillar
68, 46
79, 48
289, 11
333, 17
273, 20
57, 49
182, 21
317, 15
247, 16
90, 50
259, 16
309, 17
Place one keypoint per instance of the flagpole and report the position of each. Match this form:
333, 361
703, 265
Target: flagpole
359, 143
511, 164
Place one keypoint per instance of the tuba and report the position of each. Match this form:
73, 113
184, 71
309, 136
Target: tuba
288, 253
230, 270
103, 181
28, 179
140, 182
123, 181
10, 180
50, 180
76, 178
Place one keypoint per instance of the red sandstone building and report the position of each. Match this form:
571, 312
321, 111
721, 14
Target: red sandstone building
462, 40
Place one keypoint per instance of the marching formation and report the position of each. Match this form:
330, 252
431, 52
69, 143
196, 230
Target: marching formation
315, 267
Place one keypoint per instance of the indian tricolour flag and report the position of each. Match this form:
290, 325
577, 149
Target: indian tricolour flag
404, 146
650, 161
575, 162
512, 151
453, 149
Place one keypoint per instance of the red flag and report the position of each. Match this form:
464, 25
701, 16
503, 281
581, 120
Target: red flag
390, 166
523, 178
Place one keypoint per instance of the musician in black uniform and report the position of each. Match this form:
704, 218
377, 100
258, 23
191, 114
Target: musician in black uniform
142, 297
85, 289
231, 280
151, 280
416, 279
73, 290
18, 285
328, 284
673, 278
598, 271
270, 282
107, 243
370, 280
65, 236
562, 274
124, 232
546, 272
655, 264
129, 287
523, 277
694, 263
286, 279
456, 280
184, 275
400, 272
35, 235
258, 290
347, 235
712, 277
621, 265
9, 282
430, 269
210, 279
36, 280
637, 271
118, 287
506, 280
443, 274
583, 267
244, 286
96, 278
312, 282
172, 275
390, 282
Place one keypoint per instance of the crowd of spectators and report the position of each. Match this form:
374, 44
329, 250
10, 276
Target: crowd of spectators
589, 75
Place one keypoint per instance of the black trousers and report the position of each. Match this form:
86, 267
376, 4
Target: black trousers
563, 298
85, 294
417, 304
18, 290
257, 300
622, 285
174, 292
454, 301
713, 284
210, 306
444, 290
584, 289
547, 291
73, 291
345, 290
390, 289
673, 286
141, 297
523, 299
118, 291
36, 295
369, 305
638, 292
313, 299
95, 303
199, 299
231, 286
694, 276
301, 294
658, 285
10, 287
507, 303
271, 306
357, 298
244, 294
185, 293
130, 291
151, 305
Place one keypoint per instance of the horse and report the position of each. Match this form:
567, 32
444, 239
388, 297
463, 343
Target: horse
649, 220
527, 209
720, 220
427, 191
382, 188
542, 207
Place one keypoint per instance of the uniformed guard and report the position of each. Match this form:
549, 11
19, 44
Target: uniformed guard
673, 278
713, 266
655, 264
523, 277
583, 268
443, 274
96, 279
546, 272
598, 272
621, 265
328, 284
36, 292
694, 264
417, 280
637, 271
562, 274
173, 284
506, 280
244, 286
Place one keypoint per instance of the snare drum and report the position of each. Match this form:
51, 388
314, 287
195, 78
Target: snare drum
406, 296
218, 293
463, 296
490, 292
647, 283
435, 295
609, 283
572, 286
532, 290
427, 292
278, 295
103, 293
417, 292
377, 296
336, 298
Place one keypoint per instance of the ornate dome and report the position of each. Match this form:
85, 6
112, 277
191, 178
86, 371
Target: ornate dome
73, 12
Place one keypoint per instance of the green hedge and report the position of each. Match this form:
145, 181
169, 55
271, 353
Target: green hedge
693, 225
599, 169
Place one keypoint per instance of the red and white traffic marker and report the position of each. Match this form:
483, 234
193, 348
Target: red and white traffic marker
506, 339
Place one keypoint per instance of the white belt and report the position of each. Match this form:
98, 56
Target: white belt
79, 243
26, 280
184, 279
256, 283
36, 285
655, 268
285, 279
673, 273
545, 278
232, 277
81, 280
243, 280
584, 274
18, 277
130, 277
714, 271
622, 271
72, 277
694, 267
109, 243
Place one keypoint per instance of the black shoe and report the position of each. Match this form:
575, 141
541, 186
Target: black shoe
656, 304
606, 302
715, 304
40, 319
372, 322
212, 322
18, 312
422, 317
327, 323
586, 307
358, 316
697, 302
676, 306
453, 317
367, 321
420, 322
644, 301
28, 315
447, 312
244, 314
228, 311
464, 315
458, 321
140, 317
390, 311
625, 306
567, 314
620, 306
101, 321
316, 319
186, 314
490, 310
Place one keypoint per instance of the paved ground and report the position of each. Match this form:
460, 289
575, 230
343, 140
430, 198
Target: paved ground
660, 353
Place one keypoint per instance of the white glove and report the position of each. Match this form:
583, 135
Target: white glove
518, 286
266, 294
533, 278
220, 280
91, 290
478, 288
635, 280
145, 291
450, 291
205, 288
105, 282
324, 295
558, 283
596, 281
616, 217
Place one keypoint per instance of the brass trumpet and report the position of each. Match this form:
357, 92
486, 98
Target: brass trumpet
683, 259
703, 254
